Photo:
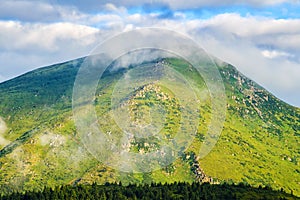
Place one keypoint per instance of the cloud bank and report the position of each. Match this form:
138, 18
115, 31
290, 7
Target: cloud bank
264, 48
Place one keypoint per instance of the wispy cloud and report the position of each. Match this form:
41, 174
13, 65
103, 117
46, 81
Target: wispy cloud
276, 54
173, 4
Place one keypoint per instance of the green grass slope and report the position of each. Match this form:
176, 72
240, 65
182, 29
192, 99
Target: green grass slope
259, 144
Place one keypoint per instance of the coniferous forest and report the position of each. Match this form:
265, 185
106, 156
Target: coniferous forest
153, 191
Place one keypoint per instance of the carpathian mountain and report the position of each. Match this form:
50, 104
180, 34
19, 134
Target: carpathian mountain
40, 146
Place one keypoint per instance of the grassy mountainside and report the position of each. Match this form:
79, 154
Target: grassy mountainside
40, 147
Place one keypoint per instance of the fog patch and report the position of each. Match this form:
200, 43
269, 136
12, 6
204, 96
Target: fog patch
3, 128
136, 57
54, 140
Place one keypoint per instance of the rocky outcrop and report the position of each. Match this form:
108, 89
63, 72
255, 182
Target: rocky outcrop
196, 169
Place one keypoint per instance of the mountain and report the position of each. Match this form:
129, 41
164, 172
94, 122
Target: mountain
40, 145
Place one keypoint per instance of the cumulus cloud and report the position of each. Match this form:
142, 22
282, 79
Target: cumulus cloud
275, 38
279, 76
24, 46
46, 37
256, 51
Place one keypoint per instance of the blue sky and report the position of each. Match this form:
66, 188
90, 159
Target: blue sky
261, 38
276, 11
280, 11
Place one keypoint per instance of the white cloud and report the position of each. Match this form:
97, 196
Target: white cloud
45, 37
111, 7
28, 10
254, 46
203, 3
253, 26
24, 46
276, 54
267, 50
38, 11
87, 5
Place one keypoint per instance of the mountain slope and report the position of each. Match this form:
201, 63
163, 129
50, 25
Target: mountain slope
40, 146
